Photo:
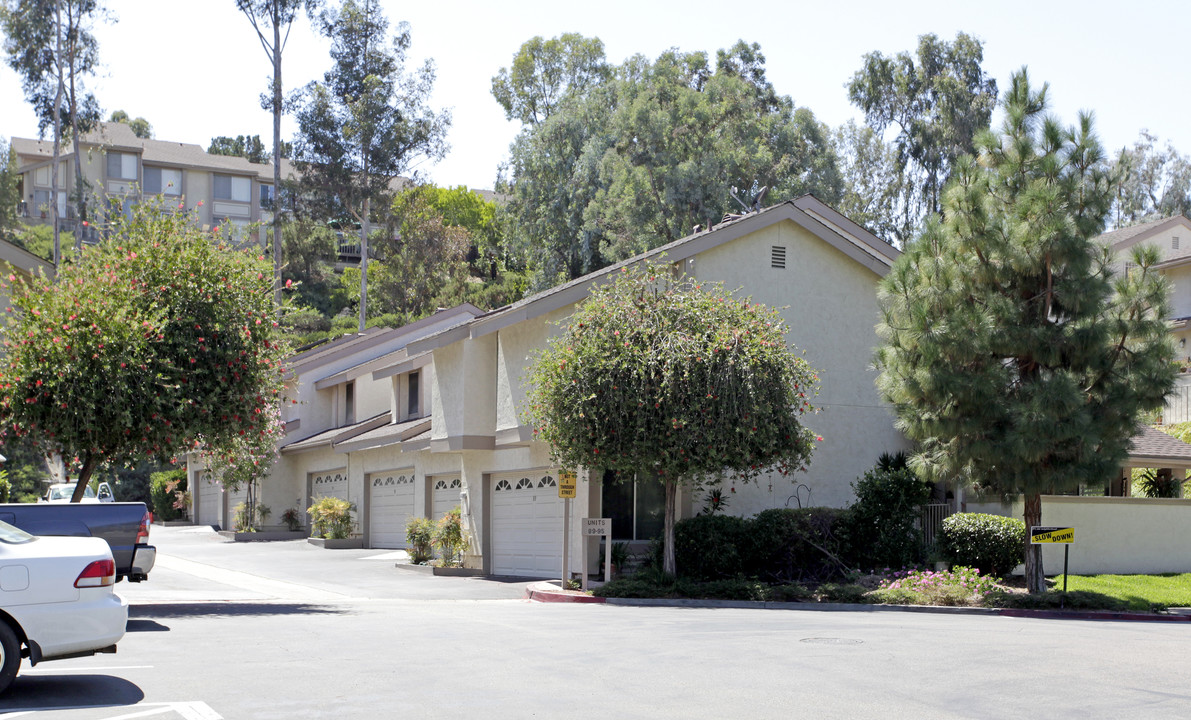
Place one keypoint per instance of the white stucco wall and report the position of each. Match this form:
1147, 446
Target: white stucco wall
373, 397
518, 345
1118, 535
830, 303
1180, 292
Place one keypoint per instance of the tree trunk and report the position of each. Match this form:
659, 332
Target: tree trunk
668, 564
84, 477
364, 257
57, 131
74, 133
277, 158
1035, 580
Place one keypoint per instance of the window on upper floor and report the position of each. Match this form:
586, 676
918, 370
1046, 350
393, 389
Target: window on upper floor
266, 197
121, 166
349, 403
413, 404
162, 181
235, 189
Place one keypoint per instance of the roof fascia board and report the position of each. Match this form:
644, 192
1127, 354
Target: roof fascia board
1158, 461
360, 370
420, 360
465, 309
878, 258
23, 259
675, 252
442, 339
392, 440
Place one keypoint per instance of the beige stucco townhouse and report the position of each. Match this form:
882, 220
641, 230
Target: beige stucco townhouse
120, 169
417, 420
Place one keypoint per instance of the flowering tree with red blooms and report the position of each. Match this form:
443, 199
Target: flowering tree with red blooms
668, 380
158, 341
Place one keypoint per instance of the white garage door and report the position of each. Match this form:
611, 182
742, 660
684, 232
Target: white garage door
526, 525
328, 483
235, 498
210, 500
446, 496
390, 505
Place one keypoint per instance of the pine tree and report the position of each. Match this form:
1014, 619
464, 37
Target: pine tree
1015, 356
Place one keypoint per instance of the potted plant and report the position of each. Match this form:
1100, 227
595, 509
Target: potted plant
331, 523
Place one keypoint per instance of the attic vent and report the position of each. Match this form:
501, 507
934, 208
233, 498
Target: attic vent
777, 257
1174, 243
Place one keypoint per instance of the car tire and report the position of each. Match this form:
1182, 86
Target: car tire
10, 656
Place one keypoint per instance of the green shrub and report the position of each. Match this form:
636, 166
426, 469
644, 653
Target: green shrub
162, 488
991, 543
883, 520
331, 518
305, 321
709, 547
794, 545
448, 537
419, 538
5, 487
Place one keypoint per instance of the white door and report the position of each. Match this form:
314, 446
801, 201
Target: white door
445, 496
526, 525
210, 500
390, 505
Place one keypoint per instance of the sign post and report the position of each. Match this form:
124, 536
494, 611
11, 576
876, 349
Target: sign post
595, 527
1046, 535
566, 489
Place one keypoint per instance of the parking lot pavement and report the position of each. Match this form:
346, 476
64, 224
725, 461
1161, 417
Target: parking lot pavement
156, 710
196, 564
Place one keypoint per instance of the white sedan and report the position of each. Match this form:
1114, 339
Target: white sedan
56, 599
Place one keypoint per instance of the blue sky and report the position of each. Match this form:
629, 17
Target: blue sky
195, 70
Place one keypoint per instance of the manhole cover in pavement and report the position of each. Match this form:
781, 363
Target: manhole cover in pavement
831, 641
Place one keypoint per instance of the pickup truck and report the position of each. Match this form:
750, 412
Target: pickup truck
125, 527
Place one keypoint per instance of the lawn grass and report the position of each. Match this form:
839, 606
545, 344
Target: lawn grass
1140, 592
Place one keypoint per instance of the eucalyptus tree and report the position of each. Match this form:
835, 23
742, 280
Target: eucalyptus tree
272, 21
140, 127
611, 163
366, 124
1013, 353
938, 100
1151, 182
51, 46
544, 72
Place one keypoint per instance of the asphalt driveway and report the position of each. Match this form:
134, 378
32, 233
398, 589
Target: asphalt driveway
292, 571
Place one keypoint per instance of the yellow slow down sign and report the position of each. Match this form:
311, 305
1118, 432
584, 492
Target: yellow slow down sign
1040, 535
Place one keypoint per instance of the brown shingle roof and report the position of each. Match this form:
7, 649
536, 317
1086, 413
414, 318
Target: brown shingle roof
1152, 443
118, 136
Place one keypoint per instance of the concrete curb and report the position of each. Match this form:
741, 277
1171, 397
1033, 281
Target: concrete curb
550, 592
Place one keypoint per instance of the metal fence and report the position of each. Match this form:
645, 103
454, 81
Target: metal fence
1178, 404
931, 521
